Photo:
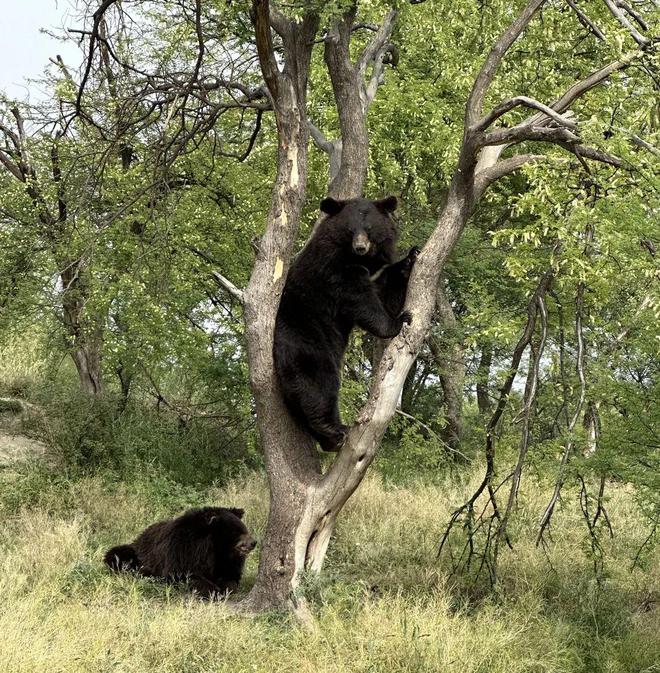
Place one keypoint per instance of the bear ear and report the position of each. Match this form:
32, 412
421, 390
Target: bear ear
388, 204
331, 206
237, 511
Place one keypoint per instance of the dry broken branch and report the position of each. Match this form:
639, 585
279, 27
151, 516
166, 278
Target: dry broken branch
585, 20
616, 9
493, 60
512, 103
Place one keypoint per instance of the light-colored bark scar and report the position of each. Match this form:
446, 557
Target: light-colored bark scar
293, 157
279, 268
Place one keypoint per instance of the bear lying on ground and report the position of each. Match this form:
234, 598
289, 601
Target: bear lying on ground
344, 276
206, 546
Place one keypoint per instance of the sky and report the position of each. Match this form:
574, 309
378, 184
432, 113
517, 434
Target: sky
24, 50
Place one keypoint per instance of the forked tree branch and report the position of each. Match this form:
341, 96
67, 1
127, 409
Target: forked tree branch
487, 171
615, 8
348, 154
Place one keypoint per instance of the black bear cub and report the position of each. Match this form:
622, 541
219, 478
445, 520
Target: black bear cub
345, 276
207, 546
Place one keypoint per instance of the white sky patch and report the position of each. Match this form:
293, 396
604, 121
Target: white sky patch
25, 49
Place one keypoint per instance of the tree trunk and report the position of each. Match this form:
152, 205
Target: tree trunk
292, 461
483, 376
305, 502
408, 392
87, 358
352, 151
448, 354
85, 340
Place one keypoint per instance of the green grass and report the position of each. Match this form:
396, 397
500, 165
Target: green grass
384, 602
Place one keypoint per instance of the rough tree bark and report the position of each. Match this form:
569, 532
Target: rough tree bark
292, 462
85, 340
348, 155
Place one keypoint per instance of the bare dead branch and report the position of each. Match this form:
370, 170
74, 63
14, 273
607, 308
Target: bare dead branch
585, 20
223, 282
486, 485
615, 9
580, 366
485, 177
583, 86
531, 387
228, 285
583, 151
512, 103
493, 60
522, 133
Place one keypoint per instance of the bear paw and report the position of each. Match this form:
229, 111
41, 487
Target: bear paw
334, 443
406, 318
413, 253
408, 261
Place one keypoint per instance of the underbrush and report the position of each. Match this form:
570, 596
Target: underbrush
384, 601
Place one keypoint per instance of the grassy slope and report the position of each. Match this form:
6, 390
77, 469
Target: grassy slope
384, 603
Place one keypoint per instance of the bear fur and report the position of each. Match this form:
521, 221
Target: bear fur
206, 546
345, 276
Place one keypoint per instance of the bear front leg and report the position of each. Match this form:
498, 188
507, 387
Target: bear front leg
364, 306
392, 282
210, 590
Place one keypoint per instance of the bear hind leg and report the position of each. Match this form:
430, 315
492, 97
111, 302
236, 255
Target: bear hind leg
322, 419
320, 413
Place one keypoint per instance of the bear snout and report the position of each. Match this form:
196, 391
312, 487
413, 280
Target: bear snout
246, 544
361, 243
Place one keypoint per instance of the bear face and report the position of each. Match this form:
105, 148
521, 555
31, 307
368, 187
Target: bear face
229, 533
361, 229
